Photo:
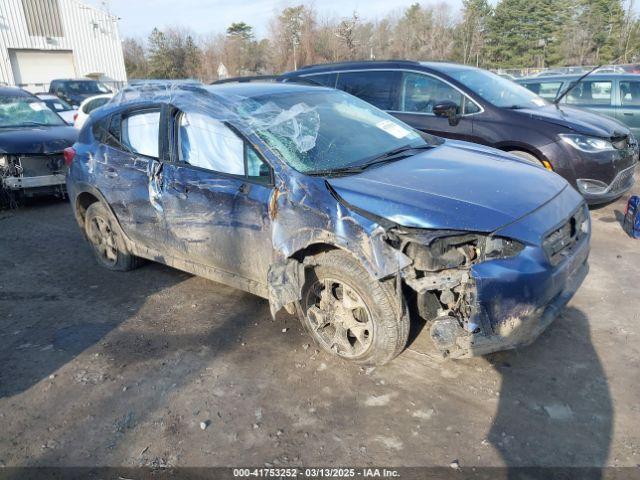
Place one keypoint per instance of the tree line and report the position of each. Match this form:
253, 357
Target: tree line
511, 34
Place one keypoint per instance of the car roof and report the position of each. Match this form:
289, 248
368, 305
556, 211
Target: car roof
188, 95
14, 92
323, 67
442, 67
574, 76
63, 80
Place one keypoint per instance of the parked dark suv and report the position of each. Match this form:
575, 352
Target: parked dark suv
74, 91
334, 209
596, 154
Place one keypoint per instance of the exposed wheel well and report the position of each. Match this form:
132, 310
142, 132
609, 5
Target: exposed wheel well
84, 201
313, 249
520, 148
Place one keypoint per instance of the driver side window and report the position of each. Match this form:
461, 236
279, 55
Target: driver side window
207, 143
420, 93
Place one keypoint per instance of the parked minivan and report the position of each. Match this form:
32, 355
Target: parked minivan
614, 94
596, 154
335, 210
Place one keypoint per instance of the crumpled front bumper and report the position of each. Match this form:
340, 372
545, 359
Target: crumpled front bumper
517, 298
21, 183
522, 327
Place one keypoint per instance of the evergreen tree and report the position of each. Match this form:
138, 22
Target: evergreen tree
527, 32
160, 61
240, 30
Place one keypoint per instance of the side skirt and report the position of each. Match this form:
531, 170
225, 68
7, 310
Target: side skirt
210, 273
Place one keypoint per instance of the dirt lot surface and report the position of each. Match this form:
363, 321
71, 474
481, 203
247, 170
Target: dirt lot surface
102, 368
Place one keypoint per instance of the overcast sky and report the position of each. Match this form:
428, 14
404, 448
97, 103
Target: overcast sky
138, 17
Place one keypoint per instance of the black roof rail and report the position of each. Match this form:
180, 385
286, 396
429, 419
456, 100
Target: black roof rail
272, 78
349, 62
251, 78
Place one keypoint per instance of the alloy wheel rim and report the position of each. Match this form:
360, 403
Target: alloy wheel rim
339, 318
104, 240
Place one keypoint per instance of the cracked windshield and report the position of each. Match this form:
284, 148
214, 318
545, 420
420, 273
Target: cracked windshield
321, 130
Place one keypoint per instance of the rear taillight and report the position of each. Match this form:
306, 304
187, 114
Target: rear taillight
75, 116
69, 153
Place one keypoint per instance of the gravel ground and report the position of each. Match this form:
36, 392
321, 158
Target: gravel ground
124, 369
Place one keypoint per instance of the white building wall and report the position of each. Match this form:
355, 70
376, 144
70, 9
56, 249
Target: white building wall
89, 33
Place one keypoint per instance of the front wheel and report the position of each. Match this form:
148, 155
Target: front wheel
351, 314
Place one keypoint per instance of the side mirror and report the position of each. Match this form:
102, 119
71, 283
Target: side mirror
449, 109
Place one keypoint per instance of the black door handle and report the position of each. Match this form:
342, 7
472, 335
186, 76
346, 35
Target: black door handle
628, 114
244, 188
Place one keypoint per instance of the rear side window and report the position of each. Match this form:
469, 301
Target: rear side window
593, 92
376, 87
630, 93
140, 132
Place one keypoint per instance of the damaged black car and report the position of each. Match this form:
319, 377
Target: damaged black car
32, 143
334, 210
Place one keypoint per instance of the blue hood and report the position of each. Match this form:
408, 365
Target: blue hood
458, 186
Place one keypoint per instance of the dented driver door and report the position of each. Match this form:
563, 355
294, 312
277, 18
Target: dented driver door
215, 198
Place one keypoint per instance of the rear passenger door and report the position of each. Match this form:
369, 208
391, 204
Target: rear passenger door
629, 110
419, 93
216, 197
129, 152
377, 87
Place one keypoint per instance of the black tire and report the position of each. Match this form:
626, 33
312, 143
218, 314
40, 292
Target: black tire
527, 156
106, 241
378, 329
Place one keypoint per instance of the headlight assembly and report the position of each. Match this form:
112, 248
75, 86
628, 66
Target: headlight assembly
460, 251
4, 161
587, 144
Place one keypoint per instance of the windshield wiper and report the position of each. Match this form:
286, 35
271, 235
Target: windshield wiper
387, 157
573, 85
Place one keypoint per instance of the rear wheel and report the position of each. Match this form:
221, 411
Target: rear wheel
349, 313
106, 242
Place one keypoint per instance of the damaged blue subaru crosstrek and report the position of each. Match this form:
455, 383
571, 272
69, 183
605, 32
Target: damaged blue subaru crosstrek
334, 210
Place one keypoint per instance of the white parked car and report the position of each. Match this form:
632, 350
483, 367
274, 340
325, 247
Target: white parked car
88, 105
62, 108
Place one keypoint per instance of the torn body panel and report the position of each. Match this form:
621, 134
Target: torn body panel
488, 260
501, 298
306, 215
